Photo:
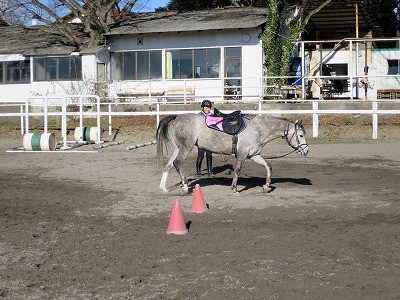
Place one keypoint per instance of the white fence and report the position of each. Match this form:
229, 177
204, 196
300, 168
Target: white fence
90, 106
367, 87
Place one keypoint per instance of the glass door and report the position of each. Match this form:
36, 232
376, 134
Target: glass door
233, 73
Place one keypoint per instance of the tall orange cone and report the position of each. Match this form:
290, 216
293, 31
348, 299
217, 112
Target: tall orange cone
198, 203
176, 222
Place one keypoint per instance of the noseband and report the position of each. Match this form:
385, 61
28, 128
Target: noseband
286, 135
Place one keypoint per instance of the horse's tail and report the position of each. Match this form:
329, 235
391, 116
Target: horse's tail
163, 139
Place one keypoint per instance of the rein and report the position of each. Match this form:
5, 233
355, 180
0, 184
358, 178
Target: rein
279, 156
285, 135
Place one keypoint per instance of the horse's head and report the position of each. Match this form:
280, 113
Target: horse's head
296, 137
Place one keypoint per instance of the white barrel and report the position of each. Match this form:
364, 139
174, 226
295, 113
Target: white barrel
88, 134
39, 142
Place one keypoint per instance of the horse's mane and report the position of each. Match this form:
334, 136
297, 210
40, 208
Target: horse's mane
298, 122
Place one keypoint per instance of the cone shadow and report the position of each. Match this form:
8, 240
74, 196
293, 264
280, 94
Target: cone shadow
188, 224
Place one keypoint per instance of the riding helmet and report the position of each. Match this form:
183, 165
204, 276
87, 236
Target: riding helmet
206, 103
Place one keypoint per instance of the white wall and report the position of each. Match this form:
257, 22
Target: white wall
205, 88
179, 40
376, 61
252, 60
381, 62
20, 92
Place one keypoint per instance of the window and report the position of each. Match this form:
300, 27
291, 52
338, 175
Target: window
200, 63
15, 72
155, 64
394, 67
57, 68
233, 72
136, 65
186, 64
129, 65
337, 86
233, 62
116, 66
193, 63
143, 65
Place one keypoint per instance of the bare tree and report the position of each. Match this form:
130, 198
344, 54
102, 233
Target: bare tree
9, 13
94, 16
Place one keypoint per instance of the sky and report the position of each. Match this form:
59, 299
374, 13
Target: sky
142, 6
149, 5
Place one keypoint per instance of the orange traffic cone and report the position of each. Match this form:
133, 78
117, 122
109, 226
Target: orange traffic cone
198, 204
176, 222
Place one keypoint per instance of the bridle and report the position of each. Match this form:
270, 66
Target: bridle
295, 134
297, 126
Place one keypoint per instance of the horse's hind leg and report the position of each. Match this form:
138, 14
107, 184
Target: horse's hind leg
178, 163
258, 159
167, 168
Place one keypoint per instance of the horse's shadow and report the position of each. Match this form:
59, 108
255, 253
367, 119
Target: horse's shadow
247, 182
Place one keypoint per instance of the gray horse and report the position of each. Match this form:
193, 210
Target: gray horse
185, 131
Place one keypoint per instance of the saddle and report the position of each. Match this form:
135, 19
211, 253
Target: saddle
229, 123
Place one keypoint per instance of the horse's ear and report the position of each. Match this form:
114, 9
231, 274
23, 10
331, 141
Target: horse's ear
299, 122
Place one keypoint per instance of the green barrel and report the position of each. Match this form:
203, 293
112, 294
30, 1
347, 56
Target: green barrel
39, 142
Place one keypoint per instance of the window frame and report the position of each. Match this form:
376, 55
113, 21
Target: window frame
390, 61
2, 72
21, 69
198, 61
119, 60
58, 68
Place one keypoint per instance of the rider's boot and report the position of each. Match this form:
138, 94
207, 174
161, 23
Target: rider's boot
209, 166
198, 166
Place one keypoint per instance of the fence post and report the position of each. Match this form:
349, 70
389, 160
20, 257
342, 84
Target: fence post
184, 91
149, 81
46, 116
64, 122
98, 118
315, 118
109, 119
80, 111
374, 120
21, 110
27, 116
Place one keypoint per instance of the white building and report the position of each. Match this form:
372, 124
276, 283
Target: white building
170, 56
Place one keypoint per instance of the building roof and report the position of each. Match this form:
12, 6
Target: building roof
31, 41
171, 21
340, 17
335, 17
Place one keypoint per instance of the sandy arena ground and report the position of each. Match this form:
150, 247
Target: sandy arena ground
92, 225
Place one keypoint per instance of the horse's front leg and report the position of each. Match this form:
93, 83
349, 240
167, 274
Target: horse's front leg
236, 173
258, 159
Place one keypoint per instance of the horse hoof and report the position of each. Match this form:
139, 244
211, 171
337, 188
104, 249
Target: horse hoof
185, 190
236, 193
266, 188
165, 190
